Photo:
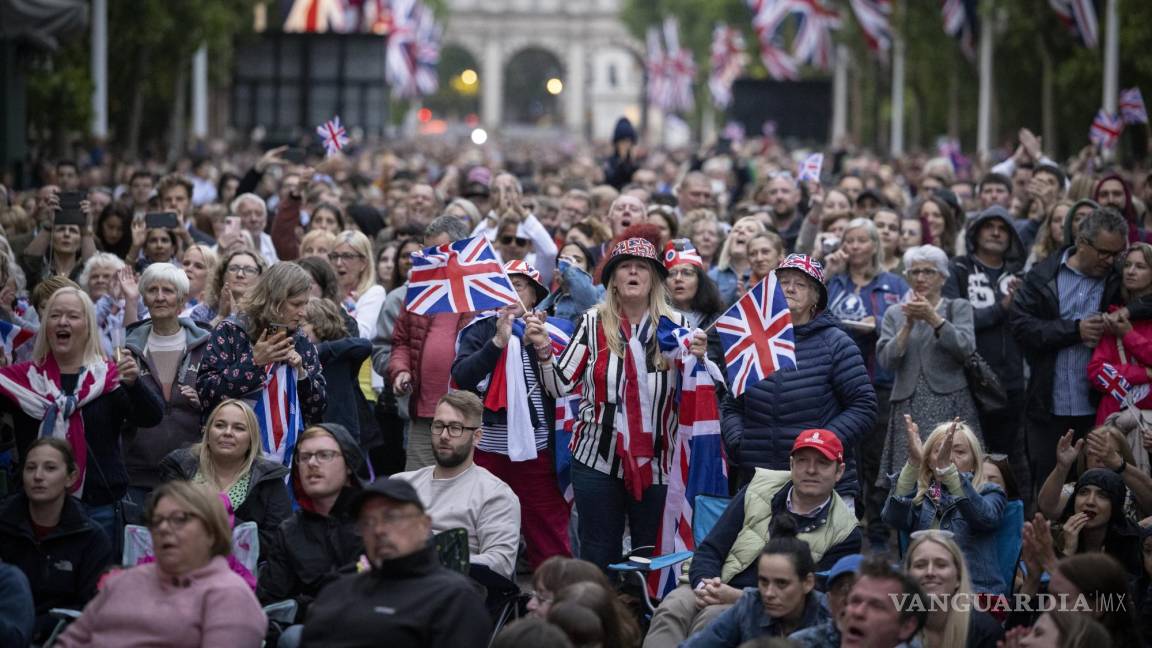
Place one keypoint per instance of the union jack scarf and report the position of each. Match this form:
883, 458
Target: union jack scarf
278, 413
35, 388
635, 429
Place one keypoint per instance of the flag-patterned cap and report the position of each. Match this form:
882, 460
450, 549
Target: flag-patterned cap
687, 254
636, 248
825, 441
521, 267
811, 267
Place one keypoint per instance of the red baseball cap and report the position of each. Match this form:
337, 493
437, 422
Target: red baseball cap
825, 441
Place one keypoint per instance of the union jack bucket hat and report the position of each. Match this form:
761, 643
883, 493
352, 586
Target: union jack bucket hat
810, 267
633, 248
523, 268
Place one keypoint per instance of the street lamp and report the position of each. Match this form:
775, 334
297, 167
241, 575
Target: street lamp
554, 86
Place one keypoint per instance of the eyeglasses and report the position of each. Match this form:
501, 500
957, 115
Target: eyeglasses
366, 525
508, 240
686, 273
1104, 254
921, 272
176, 521
243, 270
321, 456
455, 430
344, 256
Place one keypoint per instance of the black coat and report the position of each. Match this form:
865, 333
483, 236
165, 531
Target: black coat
407, 602
64, 567
267, 503
340, 362
307, 552
106, 419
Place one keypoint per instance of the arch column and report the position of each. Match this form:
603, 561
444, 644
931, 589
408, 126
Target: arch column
575, 87
492, 85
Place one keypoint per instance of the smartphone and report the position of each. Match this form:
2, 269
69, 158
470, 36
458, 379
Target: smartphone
70, 200
830, 244
161, 220
231, 224
274, 328
294, 155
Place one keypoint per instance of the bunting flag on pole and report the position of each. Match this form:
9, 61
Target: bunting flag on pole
961, 21
1106, 129
333, 136
810, 168
655, 65
413, 50
315, 16
874, 17
1079, 16
680, 68
1132, 106
728, 60
757, 336
461, 277
278, 413
767, 15
697, 465
813, 41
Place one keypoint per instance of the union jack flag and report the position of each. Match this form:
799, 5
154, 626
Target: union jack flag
567, 410
333, 135
813, 41
874, 17
728, 60
413, 50
810, 168
1132, 106
1079, 16
767, 15
757, 336
961, 21
278, 413
1106, 129
461, 277
656, 63
680, 69
1113, 382
12, 336
697, 465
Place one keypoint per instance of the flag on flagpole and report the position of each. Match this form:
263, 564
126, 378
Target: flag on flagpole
413, 50
813, 41
810, 168
1105, 130
680, 69
655, 64
1079, 16
962, 21
767, 16
333, 136
461, 277
728, 60
1132, 106
278, 413
697, 465
874, 17
757, 336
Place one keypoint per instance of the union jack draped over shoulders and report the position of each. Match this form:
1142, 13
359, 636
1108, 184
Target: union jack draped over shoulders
757, 336
461, 277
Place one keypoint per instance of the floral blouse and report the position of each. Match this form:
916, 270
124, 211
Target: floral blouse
227, 371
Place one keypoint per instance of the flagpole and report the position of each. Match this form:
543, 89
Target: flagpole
840, 96
1111, 64
984, 111
896, 143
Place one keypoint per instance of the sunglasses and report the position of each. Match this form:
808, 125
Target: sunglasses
508, 240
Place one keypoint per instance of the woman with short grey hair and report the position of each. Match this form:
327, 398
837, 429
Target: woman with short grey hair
925, 342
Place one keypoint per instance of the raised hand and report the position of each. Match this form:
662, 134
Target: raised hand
129, 287
944, 451
1066, 451
504, 327
1071, 532
915, 445
270, 349
129, 370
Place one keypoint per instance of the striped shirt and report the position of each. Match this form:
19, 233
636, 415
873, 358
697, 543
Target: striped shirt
1080, 297
589, 362
495, 437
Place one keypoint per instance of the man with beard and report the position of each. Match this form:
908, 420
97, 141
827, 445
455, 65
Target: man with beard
784, 199
458, 494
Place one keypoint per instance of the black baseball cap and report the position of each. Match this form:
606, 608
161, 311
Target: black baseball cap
396, 490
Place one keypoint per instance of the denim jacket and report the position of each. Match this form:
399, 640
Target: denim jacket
973, 518
577, 295
746, 620
726, 280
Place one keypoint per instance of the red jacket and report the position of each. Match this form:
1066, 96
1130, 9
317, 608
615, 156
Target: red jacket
1138, 356
410, 341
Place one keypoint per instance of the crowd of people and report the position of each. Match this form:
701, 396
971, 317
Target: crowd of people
220, 423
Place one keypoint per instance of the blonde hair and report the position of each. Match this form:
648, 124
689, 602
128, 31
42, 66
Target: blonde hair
92, 352
262, 303
956, 628
724, 261
202, 503
359, 242
609, 313
317, 234
201, 450
927, 473
211, 259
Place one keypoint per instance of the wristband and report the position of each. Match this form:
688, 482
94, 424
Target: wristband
1123, 466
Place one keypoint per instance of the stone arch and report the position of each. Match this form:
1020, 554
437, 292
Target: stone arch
527, 72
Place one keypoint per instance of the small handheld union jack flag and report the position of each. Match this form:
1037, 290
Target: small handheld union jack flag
333, 135
461, 277
1114, 383
1132, 106
757, 336
1106, 129
810, 169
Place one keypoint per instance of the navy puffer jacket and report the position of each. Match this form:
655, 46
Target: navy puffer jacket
829, 389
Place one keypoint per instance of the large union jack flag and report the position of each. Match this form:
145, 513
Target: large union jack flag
413, 50
757, 336
461, 277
